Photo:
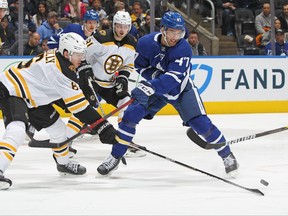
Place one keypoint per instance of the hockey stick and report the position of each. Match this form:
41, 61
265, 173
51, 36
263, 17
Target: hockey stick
203, 144
47, 144
143, 148
91, 86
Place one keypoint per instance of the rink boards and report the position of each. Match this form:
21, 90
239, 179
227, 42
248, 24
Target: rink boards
250, 84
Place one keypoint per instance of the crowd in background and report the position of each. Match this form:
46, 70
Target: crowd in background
44, 18
259, 32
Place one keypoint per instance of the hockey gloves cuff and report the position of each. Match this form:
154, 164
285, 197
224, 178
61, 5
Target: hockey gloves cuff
106, 132
142, 92
121, 86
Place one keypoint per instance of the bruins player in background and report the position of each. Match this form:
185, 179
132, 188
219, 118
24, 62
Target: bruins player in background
110, 60
27, 92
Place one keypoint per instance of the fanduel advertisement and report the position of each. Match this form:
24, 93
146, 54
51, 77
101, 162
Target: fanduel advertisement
241, 79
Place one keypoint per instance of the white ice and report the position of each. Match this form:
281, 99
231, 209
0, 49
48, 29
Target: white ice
155, 186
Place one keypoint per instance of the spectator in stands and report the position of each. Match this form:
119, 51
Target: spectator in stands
161, 7
13, 20
109, 7
85, 3
145, 29
97, 6
228, 16
137, 16
30, 47
7, 35
50, 26
3, 8
283, 17
41, 14
197, 48
281, 46
119, 6
74, 8
263, 23
105, 24
267, 35
44, 45
144, 4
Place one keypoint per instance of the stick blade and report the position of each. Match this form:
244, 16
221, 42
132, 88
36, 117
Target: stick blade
197, 139
257, 191
42, 144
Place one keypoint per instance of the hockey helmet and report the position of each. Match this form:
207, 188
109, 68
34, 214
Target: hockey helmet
122, 17
73, 43
91, 15
173, 20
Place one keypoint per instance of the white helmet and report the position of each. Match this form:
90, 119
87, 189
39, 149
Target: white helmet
122, 17
72, 42
4, 4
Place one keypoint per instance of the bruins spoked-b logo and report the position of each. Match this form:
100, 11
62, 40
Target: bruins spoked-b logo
113, 63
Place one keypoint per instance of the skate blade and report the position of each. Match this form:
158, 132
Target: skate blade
4, 185
233, 174
69, 175
99, 175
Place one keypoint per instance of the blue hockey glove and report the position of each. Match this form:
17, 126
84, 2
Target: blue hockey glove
142, 92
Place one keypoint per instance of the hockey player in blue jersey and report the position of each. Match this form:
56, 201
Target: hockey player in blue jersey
91, 23
164, 60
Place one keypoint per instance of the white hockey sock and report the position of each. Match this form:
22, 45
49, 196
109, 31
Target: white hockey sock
57, 133
13, 137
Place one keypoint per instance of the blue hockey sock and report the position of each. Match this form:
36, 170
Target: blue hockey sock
125, 134
203, 126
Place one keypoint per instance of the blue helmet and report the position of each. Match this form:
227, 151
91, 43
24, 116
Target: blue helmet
91, 15
172, 20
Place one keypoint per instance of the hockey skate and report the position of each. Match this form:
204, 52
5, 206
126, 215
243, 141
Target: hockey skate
71, 168
231, 165
5, 183
110, 164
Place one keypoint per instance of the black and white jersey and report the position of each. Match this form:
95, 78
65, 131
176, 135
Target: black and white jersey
108, 56
44, 79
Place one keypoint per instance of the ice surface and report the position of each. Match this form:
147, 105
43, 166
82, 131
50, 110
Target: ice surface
152, 185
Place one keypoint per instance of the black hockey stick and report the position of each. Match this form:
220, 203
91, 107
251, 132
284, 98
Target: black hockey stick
47, 144
143, 148
206, 145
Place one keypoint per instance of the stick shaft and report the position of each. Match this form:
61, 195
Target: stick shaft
47, 144
203, 144
195, 169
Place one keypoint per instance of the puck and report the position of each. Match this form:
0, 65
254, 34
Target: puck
262, 181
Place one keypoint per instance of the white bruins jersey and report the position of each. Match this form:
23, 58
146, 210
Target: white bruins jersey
45, 79
109, 57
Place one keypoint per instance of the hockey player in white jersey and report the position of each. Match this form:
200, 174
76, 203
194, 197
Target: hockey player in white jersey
27, 92
111, 54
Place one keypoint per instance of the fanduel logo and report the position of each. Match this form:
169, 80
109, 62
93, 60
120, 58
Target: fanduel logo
204, 72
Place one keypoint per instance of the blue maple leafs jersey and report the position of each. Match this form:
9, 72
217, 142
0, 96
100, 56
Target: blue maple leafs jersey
172, 64
53, 41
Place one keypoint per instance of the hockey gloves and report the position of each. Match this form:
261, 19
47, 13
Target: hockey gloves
106, 132
85, 72
121, 86
142, 92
